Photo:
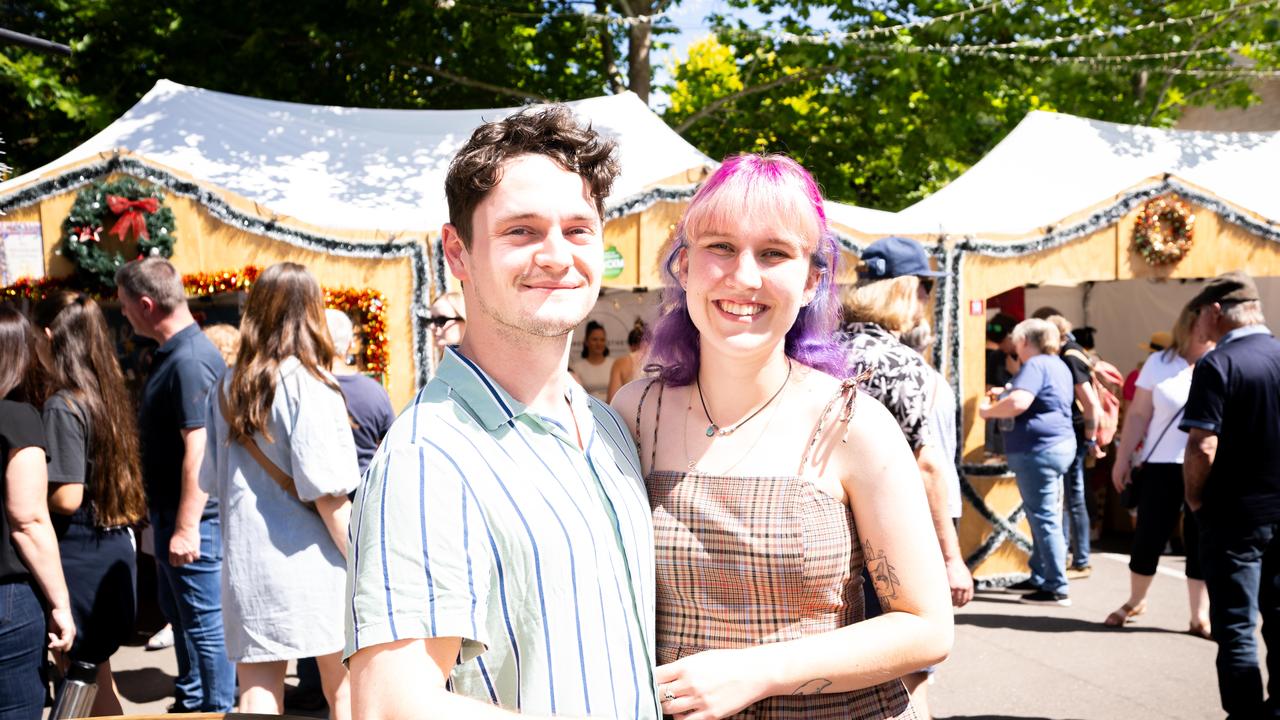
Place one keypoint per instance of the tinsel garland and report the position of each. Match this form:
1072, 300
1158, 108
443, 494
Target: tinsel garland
91, 217
1149, 237
646, 199
215, 205
370, 304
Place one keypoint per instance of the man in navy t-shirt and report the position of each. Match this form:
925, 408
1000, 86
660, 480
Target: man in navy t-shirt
171, 422
1232, 476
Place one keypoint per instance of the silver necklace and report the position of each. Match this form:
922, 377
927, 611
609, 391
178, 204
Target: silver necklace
713, 429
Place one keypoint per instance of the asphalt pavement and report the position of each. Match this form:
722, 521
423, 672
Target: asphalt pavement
1011, 661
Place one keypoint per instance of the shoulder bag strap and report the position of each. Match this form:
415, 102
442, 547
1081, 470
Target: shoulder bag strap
1172, 420
280, 477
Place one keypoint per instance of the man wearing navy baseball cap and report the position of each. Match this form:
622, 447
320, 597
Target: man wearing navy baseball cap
1232, 477
891, 297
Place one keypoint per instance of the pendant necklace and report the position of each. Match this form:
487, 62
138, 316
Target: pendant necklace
713, 429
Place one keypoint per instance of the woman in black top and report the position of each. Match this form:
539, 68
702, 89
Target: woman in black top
28, 547
95, 482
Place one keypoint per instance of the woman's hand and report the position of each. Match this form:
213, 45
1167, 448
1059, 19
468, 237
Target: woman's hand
62, 629
988, 400
1120, 472
711, 684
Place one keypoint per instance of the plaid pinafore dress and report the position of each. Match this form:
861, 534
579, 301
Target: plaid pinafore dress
745, 561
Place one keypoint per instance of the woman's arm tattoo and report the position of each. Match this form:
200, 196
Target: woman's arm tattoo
883, 576
813, 687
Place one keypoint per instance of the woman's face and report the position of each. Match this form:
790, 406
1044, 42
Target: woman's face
596, 343
745, 286
448, 326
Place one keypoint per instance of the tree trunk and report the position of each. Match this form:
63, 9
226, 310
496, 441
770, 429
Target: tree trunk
640, 42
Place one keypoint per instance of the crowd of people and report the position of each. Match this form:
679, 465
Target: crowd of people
753, 512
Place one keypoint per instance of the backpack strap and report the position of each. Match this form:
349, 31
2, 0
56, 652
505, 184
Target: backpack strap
280, 477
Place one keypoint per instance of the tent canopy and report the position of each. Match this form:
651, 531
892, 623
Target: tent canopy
1053, 166
349, 168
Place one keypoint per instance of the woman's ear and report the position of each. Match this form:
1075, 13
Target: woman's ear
813, 283
681, 269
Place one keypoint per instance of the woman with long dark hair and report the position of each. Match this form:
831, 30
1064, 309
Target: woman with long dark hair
280, 459
593, 368
95, 481
29, 565
773, 480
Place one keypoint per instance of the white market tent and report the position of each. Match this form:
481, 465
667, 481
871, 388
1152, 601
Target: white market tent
355, 194
1051, 166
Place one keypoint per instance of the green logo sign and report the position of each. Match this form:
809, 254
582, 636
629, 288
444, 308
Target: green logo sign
613, 263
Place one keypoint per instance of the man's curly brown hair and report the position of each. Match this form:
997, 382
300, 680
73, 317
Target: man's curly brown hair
548, 130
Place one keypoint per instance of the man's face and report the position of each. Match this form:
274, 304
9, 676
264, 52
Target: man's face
536, 251
133, 311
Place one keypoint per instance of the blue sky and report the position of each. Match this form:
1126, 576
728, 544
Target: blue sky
689, 17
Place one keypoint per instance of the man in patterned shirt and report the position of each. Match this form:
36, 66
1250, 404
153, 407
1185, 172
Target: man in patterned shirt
894, 282
502, 547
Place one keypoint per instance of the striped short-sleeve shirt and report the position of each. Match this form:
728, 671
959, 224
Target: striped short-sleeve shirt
483, 520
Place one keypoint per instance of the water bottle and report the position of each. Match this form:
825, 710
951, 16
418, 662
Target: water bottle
79, 687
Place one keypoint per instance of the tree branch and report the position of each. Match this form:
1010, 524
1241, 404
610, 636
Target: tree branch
718, 103
480, 84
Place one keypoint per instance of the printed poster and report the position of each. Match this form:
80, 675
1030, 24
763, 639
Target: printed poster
21, 252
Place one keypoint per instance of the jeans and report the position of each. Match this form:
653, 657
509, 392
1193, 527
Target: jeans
1242, 571
191, 599
1039, 476
22, 626
1076, 516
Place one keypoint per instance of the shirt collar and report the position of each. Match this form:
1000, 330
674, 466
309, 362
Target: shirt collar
1242, 332
178, 338
493, 406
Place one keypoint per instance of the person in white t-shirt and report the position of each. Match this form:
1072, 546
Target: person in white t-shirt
1151, 440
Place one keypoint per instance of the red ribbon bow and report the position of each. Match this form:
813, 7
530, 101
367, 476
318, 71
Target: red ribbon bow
132, 220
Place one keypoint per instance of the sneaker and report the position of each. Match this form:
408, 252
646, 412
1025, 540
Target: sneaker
1024, 586
1044, 597
162, 639
1079, 573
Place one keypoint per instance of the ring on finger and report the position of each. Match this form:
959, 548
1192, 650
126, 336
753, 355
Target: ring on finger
667, 695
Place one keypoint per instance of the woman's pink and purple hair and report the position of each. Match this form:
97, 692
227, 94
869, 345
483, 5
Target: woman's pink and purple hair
747, 189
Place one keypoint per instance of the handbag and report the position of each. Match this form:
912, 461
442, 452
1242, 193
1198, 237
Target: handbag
1131, 493
280, 477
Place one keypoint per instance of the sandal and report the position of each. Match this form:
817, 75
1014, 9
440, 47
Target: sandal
1200, 630
1125, 614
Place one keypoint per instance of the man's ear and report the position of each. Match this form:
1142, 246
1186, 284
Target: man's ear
148, 305
455, 251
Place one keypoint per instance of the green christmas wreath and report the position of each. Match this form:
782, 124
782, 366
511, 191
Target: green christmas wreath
125, 208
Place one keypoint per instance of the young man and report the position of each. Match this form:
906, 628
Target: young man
1232, 476
502, 542
171, 423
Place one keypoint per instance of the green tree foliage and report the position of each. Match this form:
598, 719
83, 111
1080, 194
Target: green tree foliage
888, 116
435, 54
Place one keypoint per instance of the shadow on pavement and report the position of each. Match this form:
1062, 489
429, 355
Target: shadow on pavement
1046, 623
144, 685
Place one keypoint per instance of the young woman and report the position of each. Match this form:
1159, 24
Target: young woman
1040, 447
630, 367
593, 368
772, 481
280, 414
1151, 436
95, 482
29, 565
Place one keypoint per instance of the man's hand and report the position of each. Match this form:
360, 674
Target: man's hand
961, 582
184, 546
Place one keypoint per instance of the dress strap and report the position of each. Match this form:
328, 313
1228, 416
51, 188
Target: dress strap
846, 400
653, 447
